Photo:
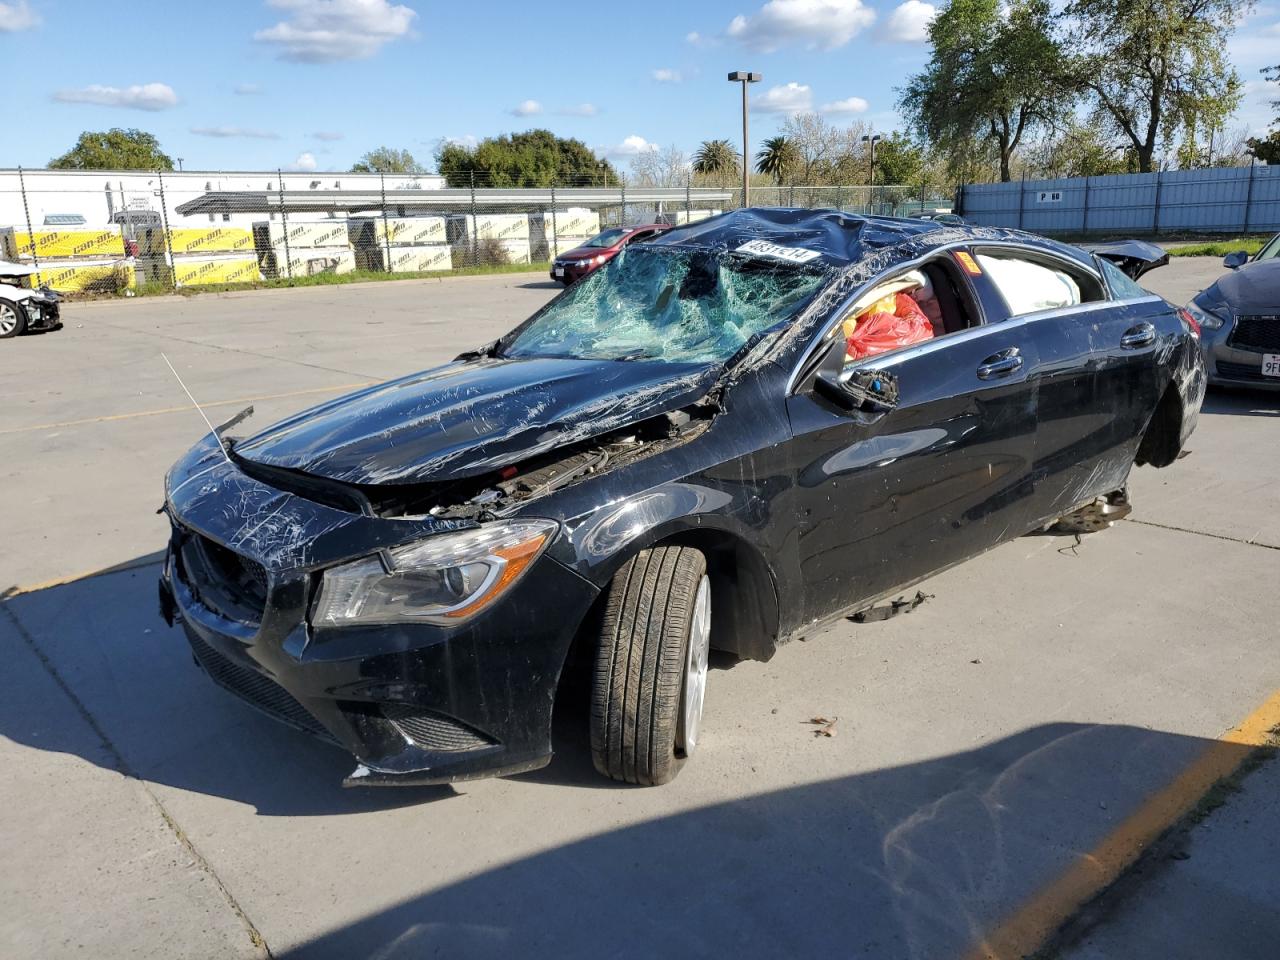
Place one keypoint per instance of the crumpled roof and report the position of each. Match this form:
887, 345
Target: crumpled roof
840, 238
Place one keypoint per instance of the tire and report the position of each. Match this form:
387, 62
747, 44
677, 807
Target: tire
13, 319
647, 692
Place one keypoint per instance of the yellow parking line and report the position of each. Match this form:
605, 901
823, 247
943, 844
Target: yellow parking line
215, 403
1035, 921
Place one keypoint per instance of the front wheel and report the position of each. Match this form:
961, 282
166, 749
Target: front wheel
13, 319
651, 666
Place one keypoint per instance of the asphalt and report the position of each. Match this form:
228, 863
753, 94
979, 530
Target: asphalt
984, 743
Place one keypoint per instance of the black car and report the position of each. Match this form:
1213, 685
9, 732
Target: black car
1240, 317
676, 453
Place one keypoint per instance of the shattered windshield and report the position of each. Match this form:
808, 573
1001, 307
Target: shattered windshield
668, 303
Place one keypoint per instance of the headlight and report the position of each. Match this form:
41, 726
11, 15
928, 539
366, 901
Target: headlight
1207, 320
443, 579
599, 260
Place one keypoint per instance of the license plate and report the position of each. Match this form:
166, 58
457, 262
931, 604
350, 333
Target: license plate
1271, 364
559, 271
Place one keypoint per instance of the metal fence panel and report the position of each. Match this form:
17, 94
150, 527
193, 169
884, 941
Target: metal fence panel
1218, 200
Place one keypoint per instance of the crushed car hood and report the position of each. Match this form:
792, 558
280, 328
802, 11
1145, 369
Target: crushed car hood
471, 417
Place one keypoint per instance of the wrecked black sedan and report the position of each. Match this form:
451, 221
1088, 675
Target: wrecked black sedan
726, 436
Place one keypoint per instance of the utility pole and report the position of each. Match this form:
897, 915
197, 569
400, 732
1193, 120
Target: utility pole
745, 77
871, 188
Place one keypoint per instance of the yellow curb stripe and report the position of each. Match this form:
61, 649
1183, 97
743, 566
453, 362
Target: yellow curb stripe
1039, 918
215, 403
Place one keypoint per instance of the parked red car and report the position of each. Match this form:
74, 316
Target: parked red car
600, 249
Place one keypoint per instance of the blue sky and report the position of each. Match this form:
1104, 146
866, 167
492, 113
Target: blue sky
313, 84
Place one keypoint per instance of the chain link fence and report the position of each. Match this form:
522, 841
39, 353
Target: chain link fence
132, 232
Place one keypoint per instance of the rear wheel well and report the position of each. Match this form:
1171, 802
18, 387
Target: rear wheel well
1160, 442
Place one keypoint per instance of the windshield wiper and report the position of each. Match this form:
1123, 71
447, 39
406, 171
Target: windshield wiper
635, 355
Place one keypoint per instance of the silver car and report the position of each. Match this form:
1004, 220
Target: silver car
1239, 319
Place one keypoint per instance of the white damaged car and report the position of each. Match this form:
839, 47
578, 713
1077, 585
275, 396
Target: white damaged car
23, 309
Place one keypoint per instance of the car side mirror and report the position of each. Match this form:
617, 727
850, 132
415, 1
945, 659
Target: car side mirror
875, 391
1235, 259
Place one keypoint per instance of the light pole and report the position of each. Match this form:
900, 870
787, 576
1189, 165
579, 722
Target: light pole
871, 189
743, 77
179, 159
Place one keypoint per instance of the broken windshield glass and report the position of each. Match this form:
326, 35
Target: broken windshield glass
673, 304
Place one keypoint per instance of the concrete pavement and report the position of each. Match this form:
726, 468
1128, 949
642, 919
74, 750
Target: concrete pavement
984, 742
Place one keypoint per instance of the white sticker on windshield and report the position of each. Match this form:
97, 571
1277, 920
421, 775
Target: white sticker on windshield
764, 248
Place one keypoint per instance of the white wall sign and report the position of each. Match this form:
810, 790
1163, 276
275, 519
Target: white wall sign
1049, 196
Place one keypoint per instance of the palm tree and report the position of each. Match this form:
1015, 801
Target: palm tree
715, 158
777, 158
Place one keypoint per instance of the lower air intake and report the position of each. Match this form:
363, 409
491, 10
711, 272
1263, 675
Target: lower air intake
433, 731
256, 690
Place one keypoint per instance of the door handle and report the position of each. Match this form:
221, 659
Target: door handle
1139, 336
1000, 364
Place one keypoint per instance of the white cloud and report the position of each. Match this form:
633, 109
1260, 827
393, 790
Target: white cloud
581, 110
788, 98
247, 90
17, 16
323, 31
814, 24
328, 135
526, 108
847, 105
469, 140
229, 132
632, 146
146, 96
694, 37
909, 22
667, 75
305, 163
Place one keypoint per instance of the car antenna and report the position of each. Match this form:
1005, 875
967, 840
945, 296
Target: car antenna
212, 432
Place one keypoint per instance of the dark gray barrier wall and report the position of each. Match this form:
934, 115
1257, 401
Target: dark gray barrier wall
1224, 199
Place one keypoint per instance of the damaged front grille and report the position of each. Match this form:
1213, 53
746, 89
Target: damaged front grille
255, 689
224, 581
1256, 332
433, 731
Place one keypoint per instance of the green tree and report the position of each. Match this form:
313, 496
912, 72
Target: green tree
715, 158
898, 160
116, 149
1267, 149
1154, 67
777, 158
387, 160
995, 76
535, 158
1080, 149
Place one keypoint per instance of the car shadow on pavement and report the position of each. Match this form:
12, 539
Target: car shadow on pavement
542, 285
915, 861
164, 721
1241, 403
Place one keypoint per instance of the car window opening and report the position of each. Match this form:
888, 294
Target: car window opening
679, 305
922, 304
1029, 287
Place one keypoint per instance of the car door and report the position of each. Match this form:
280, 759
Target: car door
884, 499
1096, 383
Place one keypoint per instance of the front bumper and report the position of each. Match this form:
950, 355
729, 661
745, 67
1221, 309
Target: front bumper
1231, 365
413, 703
42, 314
572, 272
